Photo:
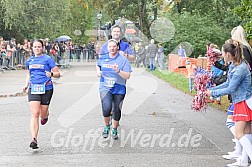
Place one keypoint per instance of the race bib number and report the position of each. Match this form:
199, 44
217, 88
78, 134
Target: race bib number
37, 88
109, 82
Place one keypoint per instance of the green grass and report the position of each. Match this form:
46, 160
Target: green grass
180, 82
174, 79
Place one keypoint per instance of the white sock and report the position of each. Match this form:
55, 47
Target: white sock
246, 145
244, 156
230, 125
249, 136
238, 147
232, 129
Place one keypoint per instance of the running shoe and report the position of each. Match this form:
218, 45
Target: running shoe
232, 152
238, 163
34, 144
229, 157
114, 134
43, 121
105, 132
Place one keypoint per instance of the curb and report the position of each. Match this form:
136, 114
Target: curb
13, 95
18, 94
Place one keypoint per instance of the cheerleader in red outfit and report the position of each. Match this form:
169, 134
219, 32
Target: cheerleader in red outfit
238, 85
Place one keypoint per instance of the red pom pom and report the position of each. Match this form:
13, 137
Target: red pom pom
202, 79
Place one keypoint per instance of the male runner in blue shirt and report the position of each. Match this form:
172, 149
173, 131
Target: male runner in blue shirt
125, 48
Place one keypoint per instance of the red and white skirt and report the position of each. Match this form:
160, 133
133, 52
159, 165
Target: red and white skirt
242, 112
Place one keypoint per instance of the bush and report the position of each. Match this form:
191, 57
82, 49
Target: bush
197, 30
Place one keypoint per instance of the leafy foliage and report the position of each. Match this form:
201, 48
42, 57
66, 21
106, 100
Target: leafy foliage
35, 19
196, 21
44, 18
197, 30
244, 11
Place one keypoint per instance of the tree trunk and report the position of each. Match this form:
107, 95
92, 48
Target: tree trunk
144, 25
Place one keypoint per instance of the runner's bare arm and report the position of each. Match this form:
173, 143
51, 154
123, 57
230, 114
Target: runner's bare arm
54, 73
128, 56
131, 57
27, 81
98, 70
123, 74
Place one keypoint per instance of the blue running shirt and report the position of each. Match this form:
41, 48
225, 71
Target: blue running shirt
38, 67
110, 79
124, 46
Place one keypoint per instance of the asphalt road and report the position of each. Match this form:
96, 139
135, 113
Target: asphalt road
157, 128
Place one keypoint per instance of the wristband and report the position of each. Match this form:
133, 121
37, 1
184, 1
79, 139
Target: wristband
118, 71
51, 74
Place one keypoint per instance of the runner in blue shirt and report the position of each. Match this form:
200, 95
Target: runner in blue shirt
41, 68
125, 48
114, 69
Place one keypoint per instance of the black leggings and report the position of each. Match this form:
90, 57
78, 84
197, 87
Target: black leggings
108, 100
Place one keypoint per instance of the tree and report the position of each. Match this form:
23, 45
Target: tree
82, 18
244, 12
197, 30
35, 19
44, 18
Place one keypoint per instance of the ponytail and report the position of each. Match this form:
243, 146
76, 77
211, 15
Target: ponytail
238, 54
235, 49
